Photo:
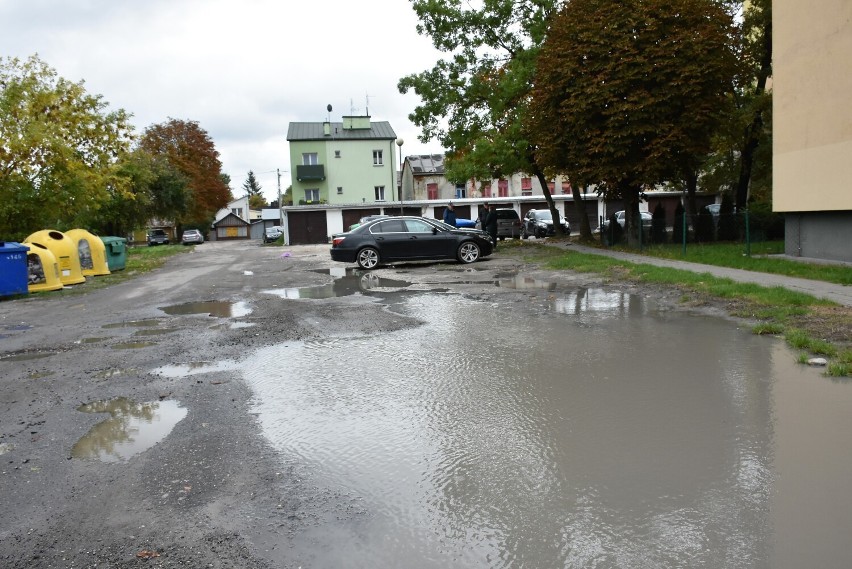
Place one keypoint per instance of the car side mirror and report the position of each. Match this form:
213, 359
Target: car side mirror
434, 231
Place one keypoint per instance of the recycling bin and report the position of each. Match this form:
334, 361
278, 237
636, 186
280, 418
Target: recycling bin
13, 269
116, 252
65, 251
91, 251
42, 269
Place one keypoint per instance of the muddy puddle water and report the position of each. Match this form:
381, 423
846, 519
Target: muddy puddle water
598, 432
131, 428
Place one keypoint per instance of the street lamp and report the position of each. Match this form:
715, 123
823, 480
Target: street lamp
399, 142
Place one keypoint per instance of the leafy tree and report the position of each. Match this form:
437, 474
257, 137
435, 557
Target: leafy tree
475, 102
704, 232
628, 93
189, 150
58, 148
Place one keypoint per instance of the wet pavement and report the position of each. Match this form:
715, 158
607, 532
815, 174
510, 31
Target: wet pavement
293, 412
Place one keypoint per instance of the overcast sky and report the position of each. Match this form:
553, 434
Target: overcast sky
243, 69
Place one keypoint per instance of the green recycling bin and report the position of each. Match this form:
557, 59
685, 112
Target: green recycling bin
116, 252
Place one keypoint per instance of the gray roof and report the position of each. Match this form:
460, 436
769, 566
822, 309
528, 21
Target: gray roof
424, 164
314, 131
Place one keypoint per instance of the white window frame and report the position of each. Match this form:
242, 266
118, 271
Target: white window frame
310, 159
380, 193
377, 158
312, 195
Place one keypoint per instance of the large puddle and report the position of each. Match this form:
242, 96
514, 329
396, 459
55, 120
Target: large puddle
599, 432
131, 429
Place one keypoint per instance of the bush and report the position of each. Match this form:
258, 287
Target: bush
613, 234
658, 224
704, 227
728, 230
677, 228
764, 224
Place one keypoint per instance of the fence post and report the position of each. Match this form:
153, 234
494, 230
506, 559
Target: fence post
748, 235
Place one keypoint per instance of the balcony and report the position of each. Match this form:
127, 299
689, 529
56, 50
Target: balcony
313, 172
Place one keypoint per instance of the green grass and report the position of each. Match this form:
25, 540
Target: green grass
779, 310
733, 255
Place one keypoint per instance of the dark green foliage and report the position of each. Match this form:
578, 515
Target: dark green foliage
658, 224
704, 227
727, 222
613, 234
764, 224
677, 228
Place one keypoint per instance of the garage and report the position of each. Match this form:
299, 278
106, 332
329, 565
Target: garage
307, 227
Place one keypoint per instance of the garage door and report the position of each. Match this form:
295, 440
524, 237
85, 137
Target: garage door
307, 227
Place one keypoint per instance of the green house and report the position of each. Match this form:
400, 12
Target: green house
342, 162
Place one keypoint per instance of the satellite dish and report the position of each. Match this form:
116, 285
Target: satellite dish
329, 108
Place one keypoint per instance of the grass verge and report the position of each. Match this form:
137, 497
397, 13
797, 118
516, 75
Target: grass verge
808, 324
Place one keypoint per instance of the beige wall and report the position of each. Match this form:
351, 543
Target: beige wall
812, 105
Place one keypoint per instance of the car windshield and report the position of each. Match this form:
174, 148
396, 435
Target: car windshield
544, 215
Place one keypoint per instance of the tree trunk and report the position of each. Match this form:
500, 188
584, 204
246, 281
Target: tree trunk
580, 205
560, 231
691, 188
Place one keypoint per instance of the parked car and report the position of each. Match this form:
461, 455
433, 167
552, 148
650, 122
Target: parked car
619, 217
539, 223
271, 234
192, 237
157, 237
408, 238
367, 218
508, 223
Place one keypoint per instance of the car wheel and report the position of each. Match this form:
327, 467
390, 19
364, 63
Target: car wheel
468, 252
368, 258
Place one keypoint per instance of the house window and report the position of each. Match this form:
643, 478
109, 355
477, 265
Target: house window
503, 188
461, 191
377, 157
551, 186
432, 191
238, 211
380, 193
339, 190
312, 195
566, 187
337, 154
526, 186
486, 191
309, 159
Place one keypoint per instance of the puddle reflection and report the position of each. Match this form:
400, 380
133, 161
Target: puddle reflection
347, 282
132, 428
214, 308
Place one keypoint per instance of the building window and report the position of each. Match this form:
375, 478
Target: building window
377, 157
503, 188
312, 195
432, 191
339, 190
309, 159
461, 191
566, 187
337, 154
486, 191
526, 186
550, 187
238, 211
380, 193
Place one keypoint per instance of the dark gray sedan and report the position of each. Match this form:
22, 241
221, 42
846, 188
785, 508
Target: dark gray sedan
408, 238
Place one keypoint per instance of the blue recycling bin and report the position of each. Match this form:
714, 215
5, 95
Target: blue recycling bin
13, 269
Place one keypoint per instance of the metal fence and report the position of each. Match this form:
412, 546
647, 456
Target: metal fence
685, 229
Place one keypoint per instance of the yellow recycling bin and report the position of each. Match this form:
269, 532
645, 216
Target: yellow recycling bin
42, 269
92, 252
65, 251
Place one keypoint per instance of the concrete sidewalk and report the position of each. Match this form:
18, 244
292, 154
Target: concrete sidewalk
840, 294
